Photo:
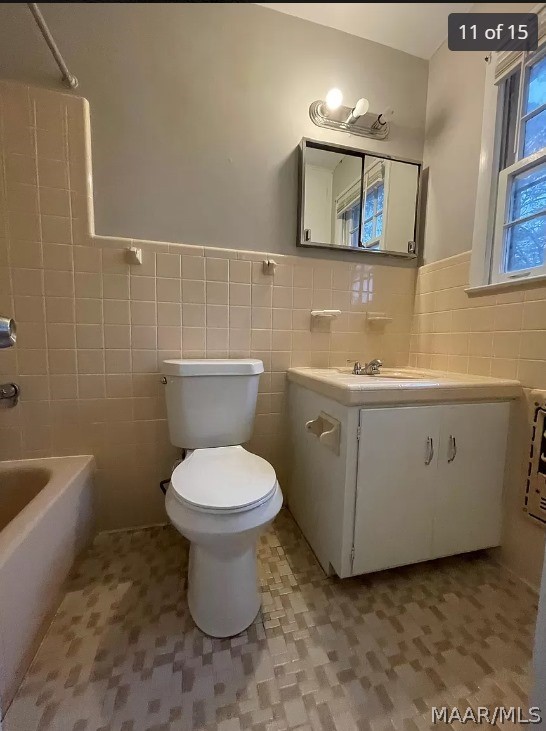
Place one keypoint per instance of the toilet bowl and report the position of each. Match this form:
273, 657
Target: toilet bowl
221, 496
220, 499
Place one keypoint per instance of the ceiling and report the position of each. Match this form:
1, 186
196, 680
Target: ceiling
416, 28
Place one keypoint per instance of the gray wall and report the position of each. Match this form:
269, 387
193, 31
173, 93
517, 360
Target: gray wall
196, 109
453, 142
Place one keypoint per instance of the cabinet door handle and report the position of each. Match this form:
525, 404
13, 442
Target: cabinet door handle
430, 450
452, 448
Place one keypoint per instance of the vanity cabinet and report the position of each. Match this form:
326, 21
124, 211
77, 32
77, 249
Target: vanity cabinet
429, 482
406, 482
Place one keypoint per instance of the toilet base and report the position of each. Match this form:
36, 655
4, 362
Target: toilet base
223, 592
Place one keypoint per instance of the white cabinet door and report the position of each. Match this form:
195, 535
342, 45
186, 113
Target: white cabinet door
397, 470
471, 458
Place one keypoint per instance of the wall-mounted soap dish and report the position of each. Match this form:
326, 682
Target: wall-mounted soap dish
321, 320
377, 319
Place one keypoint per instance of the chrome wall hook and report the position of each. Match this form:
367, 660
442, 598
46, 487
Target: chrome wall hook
8, 332
9, 392
269, 266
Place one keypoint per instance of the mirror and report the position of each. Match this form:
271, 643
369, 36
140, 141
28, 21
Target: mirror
332, 194
357, 201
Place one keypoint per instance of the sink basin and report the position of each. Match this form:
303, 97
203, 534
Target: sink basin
399, 375
390, 373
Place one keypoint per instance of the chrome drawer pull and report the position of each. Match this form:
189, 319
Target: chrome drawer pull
452, 448
430, 450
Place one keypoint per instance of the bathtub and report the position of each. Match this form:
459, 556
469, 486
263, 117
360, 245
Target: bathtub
46, 519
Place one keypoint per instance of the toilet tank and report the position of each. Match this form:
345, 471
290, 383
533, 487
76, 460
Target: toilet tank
211, 402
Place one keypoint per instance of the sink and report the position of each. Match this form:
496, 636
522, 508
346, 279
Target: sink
401, 385
398, 375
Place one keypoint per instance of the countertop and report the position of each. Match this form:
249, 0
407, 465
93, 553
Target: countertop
403, 385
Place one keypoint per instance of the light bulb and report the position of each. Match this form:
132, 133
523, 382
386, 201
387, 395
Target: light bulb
333, 99
361, 107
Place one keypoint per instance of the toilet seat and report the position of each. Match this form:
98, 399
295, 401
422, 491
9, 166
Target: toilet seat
223, 480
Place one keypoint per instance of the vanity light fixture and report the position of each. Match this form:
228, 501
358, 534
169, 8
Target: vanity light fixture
357, 120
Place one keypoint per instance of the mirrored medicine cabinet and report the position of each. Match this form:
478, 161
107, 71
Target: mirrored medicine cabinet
354, 200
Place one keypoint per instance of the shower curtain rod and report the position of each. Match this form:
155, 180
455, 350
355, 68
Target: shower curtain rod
68, 79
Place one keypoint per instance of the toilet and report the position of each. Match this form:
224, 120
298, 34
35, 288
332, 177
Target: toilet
221, 496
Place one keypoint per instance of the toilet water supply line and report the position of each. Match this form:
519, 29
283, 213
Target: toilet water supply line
164, 484
68, 79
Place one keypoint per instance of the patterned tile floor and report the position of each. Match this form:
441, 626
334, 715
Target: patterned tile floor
376, 652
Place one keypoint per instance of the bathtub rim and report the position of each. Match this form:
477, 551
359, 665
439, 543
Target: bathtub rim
64, 471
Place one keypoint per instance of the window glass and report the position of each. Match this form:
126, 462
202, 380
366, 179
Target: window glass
536, 88
368, 231
373, 213
528, 193
370, 204
353, 239
535, 134
380, 196
526, 240
525, 244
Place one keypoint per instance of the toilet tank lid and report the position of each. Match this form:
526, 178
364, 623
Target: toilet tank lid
213, 367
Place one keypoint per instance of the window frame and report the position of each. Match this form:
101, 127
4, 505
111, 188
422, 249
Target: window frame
346, 230
342, 222
494, 187
504, 192
376, 240
528, 61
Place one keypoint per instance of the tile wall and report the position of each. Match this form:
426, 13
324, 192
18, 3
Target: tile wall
93, 329
501, 335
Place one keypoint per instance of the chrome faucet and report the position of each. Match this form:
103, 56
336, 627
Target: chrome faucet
373, 367
368, 369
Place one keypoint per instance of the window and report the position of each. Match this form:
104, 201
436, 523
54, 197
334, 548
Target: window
347, 207
519, 176
349, 225
372, 216
373, 203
